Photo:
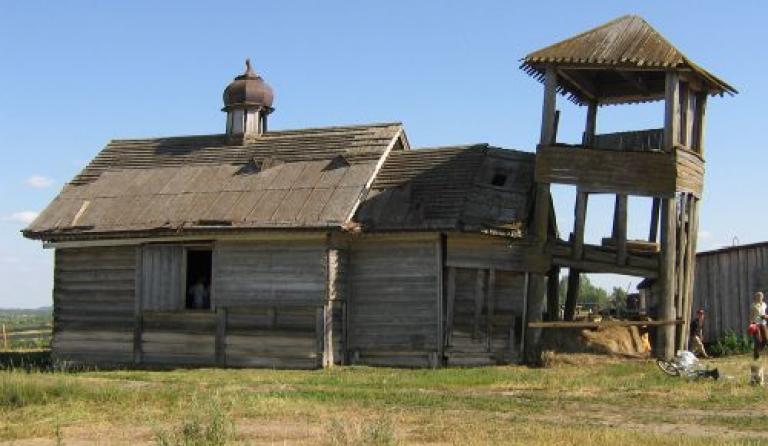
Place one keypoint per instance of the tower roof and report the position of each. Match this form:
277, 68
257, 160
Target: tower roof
620, 61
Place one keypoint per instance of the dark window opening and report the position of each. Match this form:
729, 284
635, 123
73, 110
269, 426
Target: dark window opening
499, 179
199, 263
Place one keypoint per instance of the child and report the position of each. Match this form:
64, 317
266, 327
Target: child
697, 334
757, 316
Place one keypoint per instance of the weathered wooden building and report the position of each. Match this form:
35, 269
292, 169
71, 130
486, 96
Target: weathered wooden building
304, 248
316, 245
726, 279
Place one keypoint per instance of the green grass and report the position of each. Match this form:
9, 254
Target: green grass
603, 403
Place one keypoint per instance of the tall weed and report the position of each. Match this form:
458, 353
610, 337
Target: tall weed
207, 424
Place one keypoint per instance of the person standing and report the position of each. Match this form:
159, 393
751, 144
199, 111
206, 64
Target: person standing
697, 334
757, 316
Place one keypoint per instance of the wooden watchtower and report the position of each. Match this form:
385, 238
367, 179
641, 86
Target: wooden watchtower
624, 61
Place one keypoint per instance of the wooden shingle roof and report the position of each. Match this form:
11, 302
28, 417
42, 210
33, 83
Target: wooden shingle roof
451, 188
310, 178
627, 43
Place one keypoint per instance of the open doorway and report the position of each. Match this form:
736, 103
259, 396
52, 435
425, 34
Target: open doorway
199, 272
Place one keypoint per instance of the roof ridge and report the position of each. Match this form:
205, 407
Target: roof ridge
268, 133
338, 127
449, 147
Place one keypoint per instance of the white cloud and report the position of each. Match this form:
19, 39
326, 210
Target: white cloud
38, 181
25, 217
705, 235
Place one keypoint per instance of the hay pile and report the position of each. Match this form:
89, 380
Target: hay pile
611, 340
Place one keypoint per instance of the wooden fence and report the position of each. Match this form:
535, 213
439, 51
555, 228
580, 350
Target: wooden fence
26, 335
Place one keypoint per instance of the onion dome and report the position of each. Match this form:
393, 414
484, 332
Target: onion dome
248, 91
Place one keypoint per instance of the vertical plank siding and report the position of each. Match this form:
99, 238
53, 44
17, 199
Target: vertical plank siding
393, 310
724, 284
93, 298
162, 278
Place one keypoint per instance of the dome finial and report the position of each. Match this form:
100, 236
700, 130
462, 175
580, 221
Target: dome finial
248, 69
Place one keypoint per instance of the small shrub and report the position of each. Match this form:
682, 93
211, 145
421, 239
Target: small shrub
732, 344
208, 424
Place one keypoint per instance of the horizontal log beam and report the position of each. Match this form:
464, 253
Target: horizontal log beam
587, 324
587, 266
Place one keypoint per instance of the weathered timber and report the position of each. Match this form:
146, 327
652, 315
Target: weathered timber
92, 323
621, 229
665, 336
282, 273
393, 298
653, 232
621, 172
479, 301
450, 302
725, 280
221, 336
163, 279
572, 294
553, 294
602, 324
484, 251
579, 223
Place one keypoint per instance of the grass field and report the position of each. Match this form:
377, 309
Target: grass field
600, 402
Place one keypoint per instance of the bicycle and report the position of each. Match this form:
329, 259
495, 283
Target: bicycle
685, 364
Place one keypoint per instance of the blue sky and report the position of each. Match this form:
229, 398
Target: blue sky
76, 74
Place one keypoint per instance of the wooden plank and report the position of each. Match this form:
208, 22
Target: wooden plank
579, 224
666, 335
699, 123
682, 267
671, 110
549, 106
441, 253
602, 324
478, 308
450, 302
602, 266
221, 336
572, 294
490, 299
553, 294
138, 310
621, 229
655, 210
591, 124
607, 171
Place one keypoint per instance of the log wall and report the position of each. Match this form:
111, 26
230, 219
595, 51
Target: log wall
395, 302
272, 294
479, 251
256, 273
724, 283
179, 337
93, 300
